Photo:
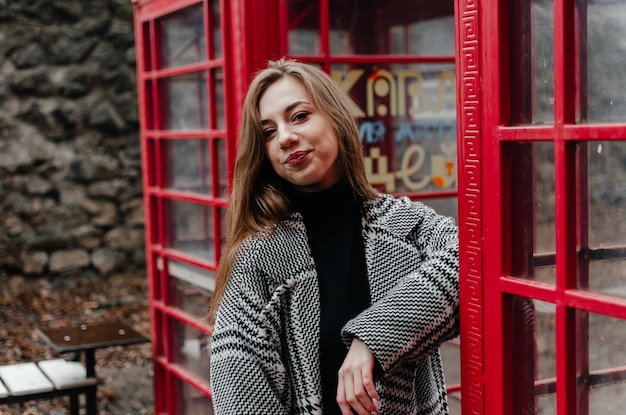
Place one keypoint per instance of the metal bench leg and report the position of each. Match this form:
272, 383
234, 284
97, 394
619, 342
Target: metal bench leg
90, 367
74, 404
92, 407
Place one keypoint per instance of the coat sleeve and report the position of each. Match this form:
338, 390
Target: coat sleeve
422, 310
247, 372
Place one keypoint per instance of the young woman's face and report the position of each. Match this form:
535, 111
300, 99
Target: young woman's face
299, 143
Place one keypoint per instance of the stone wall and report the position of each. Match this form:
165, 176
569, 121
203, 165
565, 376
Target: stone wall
70, 165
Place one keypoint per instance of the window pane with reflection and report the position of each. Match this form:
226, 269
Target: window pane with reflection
391, 27
182, 40
606, 255
190, 228
407, 123
184, 102
604, 32
188, 165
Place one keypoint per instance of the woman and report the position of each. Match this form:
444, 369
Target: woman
330, 297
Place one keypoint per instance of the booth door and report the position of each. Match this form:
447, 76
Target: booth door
542, 204
186, 137
396, 60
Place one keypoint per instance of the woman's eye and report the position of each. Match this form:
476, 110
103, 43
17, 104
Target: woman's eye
268, 133
300, 116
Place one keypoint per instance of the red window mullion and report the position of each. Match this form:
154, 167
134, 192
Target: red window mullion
566, 366
172, 254
570, 132
208, 29
210, 97
368, 59
493, 111
213, 168
567, 330
203, 149
183, 69
283, 25
580, 50
572, 324
594, 131
582, 221
325, 33
564, 62
153, 9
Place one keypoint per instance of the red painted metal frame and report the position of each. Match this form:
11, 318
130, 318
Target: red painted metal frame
163, 313
469, 109
248, 39
486, 206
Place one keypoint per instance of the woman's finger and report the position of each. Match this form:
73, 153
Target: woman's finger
356, 388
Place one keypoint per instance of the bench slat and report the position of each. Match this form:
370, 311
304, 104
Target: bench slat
65, 374
24, 379
4, 392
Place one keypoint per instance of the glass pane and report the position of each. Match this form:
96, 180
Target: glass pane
545, 237
153, 205
190, 349
546, 273
148, 114
191, 401
217, 29
190, 228
532, 224
182, 37
304, 27
543, 61
606, 78
608, 277
222, 177
146, 56
607, 193
159, 347
222, 216
532, 356
151, 161
544, 216
155, 279
184, 102
608, 399
187, 165
218, 99
607, 364
407, 123
393, 26
545, 386
190, 287
532, 62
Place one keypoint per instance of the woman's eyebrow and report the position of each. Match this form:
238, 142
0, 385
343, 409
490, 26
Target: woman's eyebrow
287, 109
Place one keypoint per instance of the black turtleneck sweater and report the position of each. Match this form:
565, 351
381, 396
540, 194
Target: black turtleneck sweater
332, 218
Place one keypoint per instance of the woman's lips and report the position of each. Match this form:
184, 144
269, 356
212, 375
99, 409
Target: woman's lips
296, 158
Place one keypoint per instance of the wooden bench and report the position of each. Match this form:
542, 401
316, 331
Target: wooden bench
46, 379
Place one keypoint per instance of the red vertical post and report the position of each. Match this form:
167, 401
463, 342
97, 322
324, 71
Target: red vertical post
469, 57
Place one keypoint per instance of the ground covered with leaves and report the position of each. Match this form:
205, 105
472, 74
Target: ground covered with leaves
125, 373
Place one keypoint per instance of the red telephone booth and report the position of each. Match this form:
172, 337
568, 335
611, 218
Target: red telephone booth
541, 162
195, 58
542, 206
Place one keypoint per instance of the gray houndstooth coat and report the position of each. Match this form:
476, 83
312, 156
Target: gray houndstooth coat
264, 352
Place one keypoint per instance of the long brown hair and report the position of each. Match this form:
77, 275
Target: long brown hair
256, 202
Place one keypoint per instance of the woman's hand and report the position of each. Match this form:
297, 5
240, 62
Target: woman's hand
356, 388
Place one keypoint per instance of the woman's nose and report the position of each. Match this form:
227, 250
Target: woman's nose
286, 136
